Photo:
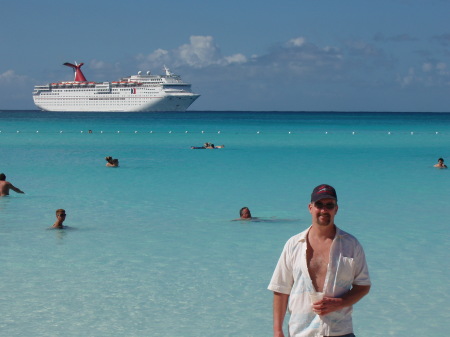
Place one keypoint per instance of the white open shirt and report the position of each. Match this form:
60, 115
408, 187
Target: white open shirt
347, 267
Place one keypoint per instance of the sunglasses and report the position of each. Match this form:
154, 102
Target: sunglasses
62, 214
330, 206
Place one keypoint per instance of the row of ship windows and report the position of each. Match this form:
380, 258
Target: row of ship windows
93, 101
72, 100
102, 89
58, 94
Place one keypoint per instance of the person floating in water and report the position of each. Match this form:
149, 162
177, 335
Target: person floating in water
60, 218
212, 146
440, 164
5, 186
208, 146
111, 162
245, 214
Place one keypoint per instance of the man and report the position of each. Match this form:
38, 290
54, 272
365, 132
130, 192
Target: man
5, 186
440, 163
60, 217
322, 259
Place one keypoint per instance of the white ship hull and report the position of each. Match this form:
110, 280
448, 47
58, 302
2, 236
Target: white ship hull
143, 93
125, 104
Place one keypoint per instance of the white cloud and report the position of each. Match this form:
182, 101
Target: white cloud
408, 79
363, 48
297, 57
441, 67
297, 42
158, 57
15, 90
293, 58
95, 64
236, 58
200, 52
354, 62
10, 76
432, 74
426, 67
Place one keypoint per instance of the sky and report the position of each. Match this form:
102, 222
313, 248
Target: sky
247, 55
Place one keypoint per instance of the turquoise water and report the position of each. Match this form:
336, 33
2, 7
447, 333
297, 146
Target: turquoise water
152, 250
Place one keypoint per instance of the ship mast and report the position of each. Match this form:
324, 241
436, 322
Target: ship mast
168, 73
79, 77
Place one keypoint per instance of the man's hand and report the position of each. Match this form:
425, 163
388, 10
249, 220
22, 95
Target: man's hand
330, 304
327, 305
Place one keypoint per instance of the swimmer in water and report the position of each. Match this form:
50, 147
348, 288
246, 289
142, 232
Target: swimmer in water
440, 164
5, 186
212, 146
245, 213
208, 146
60, 218
110, 162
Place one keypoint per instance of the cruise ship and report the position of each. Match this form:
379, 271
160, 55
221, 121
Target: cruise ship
141, 92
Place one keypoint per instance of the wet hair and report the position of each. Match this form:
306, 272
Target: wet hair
109, 159
60, 210
242, 211
2, 176
441, 159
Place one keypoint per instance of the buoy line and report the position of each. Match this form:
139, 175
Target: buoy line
220, 132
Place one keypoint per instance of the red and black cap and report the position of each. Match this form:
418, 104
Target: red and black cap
323, 192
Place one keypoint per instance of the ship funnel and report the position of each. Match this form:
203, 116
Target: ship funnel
79, 77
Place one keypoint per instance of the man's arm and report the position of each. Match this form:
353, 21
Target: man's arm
330, 304
15, 189
280, 302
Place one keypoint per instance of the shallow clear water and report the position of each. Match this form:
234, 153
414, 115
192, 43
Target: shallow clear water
152, 250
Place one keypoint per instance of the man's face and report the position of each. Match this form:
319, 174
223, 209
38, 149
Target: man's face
323, 211
61, 216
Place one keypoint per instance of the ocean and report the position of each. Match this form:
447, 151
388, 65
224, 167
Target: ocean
152, 248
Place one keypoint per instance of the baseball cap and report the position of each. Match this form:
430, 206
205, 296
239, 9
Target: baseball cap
323, 192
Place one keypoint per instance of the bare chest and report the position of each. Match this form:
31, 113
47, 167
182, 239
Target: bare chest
317, 258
